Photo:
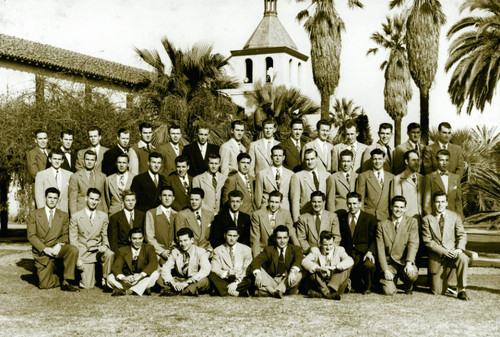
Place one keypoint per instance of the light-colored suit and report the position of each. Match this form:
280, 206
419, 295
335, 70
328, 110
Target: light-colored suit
113, 194
261, 230
198, 267
265, 183
79, 183
186, 218
338, 258
301, 187
324, 158
366, 161
337, 188
222, 263
433, 183
45, 179
169, 156
307, 234
80, 160
260, 153
229, 152
356, 162
160, 230
404, 185
375, 198
213, 197
455, 164
235, 182
398, 162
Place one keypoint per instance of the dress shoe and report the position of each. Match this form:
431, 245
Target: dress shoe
278, 294
147, 292
367, 291
118, 292
334, 296
314, 294
261, 293
462, 295
65, 286
167, 292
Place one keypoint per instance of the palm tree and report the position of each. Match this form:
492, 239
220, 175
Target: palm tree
475, 52
324, 27
422, 43
344, 111
397, 89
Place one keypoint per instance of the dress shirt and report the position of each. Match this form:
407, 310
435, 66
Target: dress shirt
142, 144
166, 211
234, 215
203, 149
135, 253
129, 215
67, 154
243, 177
296, 143
379, 174
444, 178
176, 148
90, 214
96, 149
125, 178
322, 145
184, 180
154, 176
355, 216
443, 146
48, 211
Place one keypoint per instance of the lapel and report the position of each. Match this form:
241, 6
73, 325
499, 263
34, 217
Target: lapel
321, 154
113, 185
196, 152
271, 178
128, 257
261, 146
343, 180
451, 183
267, 223
191, 219
437, 179
226, 257
243, 186
180, 186
275, 257
205, 220
43, 221
162, 218
434, 224
372, 180
85, 179
293, 150
309, 180
129, 180
391, 233
124, 222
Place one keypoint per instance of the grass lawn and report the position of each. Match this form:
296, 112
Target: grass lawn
27, 311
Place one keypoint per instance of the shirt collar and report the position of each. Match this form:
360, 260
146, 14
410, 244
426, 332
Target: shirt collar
48, 210
142, 144
89, 212
152, 175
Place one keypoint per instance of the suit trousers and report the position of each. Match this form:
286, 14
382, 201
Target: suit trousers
328, 285
139, 288
442, 276
220, 285
46, 276
389, 287
363, 273
200, 287
271, 284
88, 269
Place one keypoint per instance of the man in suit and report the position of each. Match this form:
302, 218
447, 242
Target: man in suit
358, 230
374, 187
229, 264
211, 181
197, 219
199, 151
444, 235
123, 221
230, 150
228, 217
293, 146
328, 269
122, 147
260, 150
181, 182
275, 177
134, 269
47, 230
82, 180
143, 148
160, 225
311, 224
94, 133
117, 183
384, 137
187, 268
340, 183
409, 184
147, 185
56, 177
69, 162
171, 150
88, 231
322, 147
243, 182
350, 143
266, 219
303, 183
413, 143
397, 245
456, 160
445, 181
36, 158
277, 269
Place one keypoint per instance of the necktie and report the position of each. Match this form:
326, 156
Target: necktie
380, 178
231, 255
353, 150
176, 149
316, 181
51, 217
148, 147
135, 256
156, 180
186, 186
352, 224
281, 263
441, 223
328, 260
58, 180
242, 148
278, 179
388, 152
318, 224
236, 219
249, 185
414, 178
416, 148
273, 220
297, 145
348, 180
121, 183
214, 181
396, 225
91, 218
443, 173
131, 219
185, 265
198, 217
45, 153
92, 179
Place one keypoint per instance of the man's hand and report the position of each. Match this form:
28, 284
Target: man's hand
102, 249
258, 279
129, 279
231, 288
369, 256
179, 286
49, 251
388, 275
456, 252
410, 269
293, 277
165, 254
79, 264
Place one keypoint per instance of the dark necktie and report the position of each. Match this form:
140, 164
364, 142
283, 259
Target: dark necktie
281, 263
388, 152
134, 263
348, 180
316, 181
318, 224
441, 223
214, 181
156, 180
414, 178
443, 173
92, 179
352, 224
186, 187
131, 220
185, 266
198, 217
249, 185
278, 179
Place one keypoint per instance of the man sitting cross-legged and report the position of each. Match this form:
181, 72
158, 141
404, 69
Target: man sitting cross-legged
134, 270
187, 268
329, 267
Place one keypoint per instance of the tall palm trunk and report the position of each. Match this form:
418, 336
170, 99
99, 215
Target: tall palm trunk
325, 105
397, 131
424, 115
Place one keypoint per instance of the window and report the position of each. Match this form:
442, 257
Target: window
299, 74
269, 69
249, 71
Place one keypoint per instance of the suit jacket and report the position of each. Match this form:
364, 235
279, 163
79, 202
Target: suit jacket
79, 183
455, 164
265, 183
261, 155
324, 160
181, 197
186, 218
261, 232
198, 164
301, 187
80, 162
366, 161
307, 234
169, 156
434, 183
109, 159
113, 194
404, 185
222, 262
235, 182
293, 160
198, 267
229, 152
400, 247
452, 237
160, 230
213, 197
223, 220
142, 154
36, 161
45, 179
146, 261
268, 259
337, 188
375, 198
339, 258
67, 165
119, 227
398, 162
357, 160
363, 238
148, 195
87, 237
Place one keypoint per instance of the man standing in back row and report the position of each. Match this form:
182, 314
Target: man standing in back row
230, 150
198, 152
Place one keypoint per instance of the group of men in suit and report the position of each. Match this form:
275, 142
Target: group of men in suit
352, 209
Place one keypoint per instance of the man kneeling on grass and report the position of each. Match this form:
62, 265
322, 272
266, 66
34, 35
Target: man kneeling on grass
329, 267
134, 270
187, 268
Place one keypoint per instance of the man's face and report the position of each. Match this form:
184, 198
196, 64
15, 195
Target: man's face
282, 239
353, 205
92, 200
440, 203
310, 159
323, 132
443, 162
231, 237
345, 163
234, 204
94, 137
318, 204
123, 139
203, 136
269, 130
41, 140
350, 135
195, 200
185, 242
67, 141
51, 200
238, 132
244, 165
413, 162
378, 161
167, 198
122, 164
278, 156
327, 246
129, 202
444, 135
136, 240
297, 131
175, 135
182, 168
274, 204
213, 165
414, 135
90, 161
146, 135
398, 209
56, 160
155, 165
385, 136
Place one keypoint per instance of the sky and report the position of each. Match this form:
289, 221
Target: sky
111, 29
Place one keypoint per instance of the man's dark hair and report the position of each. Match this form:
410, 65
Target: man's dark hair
276, 193
232, 228
135, 230
181, 159
173, 127
346, 153
56, 151
213, 156
122, 130
443, 152
145, 125
350, 124
406, 156
52, 190
276, 148
296, 121
412, 126
318, 194
167, 188
353, 195
398, 198
92, 153
197, 190
322, 122
242, 156
236, 122
93, 190
325, 235
155, 154
439, 194
126, 193
67, 132
185, 231
384, 126
445, 125
235, 194
281, 228
94, 128
377, 151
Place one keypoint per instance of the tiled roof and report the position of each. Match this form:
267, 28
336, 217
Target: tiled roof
270, 33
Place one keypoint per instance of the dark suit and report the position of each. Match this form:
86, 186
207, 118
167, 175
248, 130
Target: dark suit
148, 195
146, 261
455, 164
222, 221
235, 182
293, 160
181, 196
169, 155
36, 161
119, 227
433, 183
109, 160
67, 165
198, 164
